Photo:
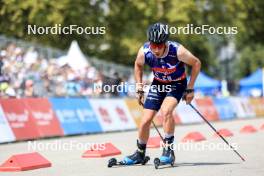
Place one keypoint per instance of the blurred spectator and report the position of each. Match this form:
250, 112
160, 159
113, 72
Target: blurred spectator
24, 73
29, 89
1, 64
116, 81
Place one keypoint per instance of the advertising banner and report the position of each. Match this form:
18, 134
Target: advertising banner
113, 114
20, 119
207, 108
258, 106
242, 107
44, 117
135, 110
224, 108
187, 114
75, 115
6, 133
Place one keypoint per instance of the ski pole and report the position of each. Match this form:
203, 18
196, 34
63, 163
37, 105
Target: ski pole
158, 132
216, 132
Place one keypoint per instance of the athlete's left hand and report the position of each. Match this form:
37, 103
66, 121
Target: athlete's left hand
188, 95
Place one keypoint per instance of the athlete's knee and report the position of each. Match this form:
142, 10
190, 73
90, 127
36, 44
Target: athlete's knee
166, 113
146, 122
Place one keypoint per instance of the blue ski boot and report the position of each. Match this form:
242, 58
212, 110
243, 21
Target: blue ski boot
137, 158
167, 157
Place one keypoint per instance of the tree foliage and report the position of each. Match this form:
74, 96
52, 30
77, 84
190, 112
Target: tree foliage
126, 22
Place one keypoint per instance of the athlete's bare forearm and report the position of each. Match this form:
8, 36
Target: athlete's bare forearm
195, 71
187, 57
138, 72
138, 69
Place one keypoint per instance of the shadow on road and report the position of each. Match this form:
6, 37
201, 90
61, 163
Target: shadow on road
178, 165
195, 164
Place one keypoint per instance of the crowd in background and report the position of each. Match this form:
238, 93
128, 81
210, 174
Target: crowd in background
24, 73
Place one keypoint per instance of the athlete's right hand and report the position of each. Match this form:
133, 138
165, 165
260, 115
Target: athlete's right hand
140, 97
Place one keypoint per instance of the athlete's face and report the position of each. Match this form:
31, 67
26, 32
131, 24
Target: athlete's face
157, 49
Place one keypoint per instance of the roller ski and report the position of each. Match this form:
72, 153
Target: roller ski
137, 158
167, 157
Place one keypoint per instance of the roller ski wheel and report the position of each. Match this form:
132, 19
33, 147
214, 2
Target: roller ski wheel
112, 162
173, 159
156, 163
145, 161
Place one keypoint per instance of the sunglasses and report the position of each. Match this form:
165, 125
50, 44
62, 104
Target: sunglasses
154, 45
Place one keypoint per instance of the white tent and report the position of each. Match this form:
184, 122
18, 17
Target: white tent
74, 58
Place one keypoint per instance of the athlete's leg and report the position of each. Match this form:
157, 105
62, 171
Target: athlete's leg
152, 104
143, 132
143, 135
166, 110
169, 104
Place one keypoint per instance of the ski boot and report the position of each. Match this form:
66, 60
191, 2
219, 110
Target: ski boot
167, 157
137, 158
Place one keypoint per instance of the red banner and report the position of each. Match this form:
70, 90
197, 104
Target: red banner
44, 117
20, 119
207, 108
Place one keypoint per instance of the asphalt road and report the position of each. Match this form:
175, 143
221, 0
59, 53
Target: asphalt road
191, 161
